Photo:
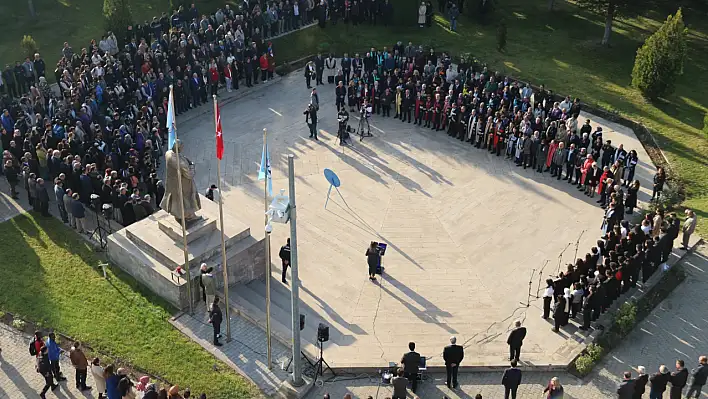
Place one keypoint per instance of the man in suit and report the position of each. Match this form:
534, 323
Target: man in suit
215, 318
625, 389
678, 380
410, 362
515, 340
511, 380
453, 355
700, 374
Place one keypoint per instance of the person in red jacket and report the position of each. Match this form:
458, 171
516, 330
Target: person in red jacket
213, 77
227, 77
264, 67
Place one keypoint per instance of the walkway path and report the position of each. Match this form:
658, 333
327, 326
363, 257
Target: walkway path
676, 329
18, 378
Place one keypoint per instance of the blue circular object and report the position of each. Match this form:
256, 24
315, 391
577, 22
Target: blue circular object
332, 177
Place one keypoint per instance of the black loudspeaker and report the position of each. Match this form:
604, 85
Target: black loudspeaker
323, 333
302, 322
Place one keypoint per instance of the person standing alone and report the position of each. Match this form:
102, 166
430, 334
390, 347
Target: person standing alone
453, 355
511, 380
515, 340
410, 362
689, 226
284, 255
215, 318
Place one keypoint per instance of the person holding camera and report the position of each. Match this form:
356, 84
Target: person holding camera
311, 120
373, 259
342, 119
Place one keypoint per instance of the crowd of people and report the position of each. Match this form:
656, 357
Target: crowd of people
99, 136
110, 382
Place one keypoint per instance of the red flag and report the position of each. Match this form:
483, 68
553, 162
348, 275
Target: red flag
219, 137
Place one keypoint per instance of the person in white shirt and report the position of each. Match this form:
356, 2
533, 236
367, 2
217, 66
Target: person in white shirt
547, 297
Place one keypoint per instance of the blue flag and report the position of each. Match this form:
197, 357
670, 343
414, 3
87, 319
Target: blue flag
264, 171
171, 122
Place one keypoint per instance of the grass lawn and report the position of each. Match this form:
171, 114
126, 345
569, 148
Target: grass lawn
561, 50
48, 274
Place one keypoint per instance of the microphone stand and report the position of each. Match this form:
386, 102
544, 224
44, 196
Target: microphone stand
528, 297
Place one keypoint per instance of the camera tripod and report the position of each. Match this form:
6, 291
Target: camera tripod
319, 369
101, 233
363, 120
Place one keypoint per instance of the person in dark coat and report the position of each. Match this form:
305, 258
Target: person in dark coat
42, 198
284, 255
558, 312
373, 258
453, 355
625, 389
678, 380
699, 374
45, 369
515, 340
630, 201
658, 382
640, 383
511, 380
215, 318
410, 362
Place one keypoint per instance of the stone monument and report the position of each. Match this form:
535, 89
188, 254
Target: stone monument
152, 249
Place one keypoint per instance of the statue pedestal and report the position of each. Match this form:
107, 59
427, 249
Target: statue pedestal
151, 249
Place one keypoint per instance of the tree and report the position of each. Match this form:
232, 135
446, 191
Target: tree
659, 61
612, 9
501, 36
117, 17
29, 46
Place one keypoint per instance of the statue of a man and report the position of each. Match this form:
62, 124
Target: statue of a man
190, 196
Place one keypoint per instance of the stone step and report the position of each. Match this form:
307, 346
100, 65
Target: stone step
252, 306
169, 252
195, 230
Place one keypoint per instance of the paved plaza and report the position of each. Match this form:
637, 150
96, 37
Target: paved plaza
466, 231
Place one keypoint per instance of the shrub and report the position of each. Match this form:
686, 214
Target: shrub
284, 69
19, 324
668, 200
29, 46
705, 124
659, 61
585, 362
118, 17
625, 318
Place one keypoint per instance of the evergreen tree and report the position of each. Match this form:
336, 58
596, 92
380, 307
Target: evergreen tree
117, 17
659, 61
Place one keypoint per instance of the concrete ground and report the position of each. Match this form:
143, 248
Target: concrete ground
467, 231
676, 329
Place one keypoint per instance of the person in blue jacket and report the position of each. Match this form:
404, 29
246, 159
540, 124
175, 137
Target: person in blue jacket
54, 352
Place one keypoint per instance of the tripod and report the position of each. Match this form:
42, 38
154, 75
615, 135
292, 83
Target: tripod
528, 298
304, 356
319, 369
101, 233
360, 129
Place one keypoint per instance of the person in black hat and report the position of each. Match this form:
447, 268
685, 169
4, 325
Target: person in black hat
215, 318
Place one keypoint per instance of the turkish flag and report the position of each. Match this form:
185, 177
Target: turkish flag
219, 136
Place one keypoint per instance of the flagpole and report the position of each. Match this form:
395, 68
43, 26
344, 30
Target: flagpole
267, 247
217, 123
181, 207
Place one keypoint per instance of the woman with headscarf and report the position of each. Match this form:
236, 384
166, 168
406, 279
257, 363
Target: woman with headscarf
99, 378
630, 201
112, 380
